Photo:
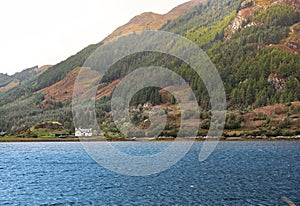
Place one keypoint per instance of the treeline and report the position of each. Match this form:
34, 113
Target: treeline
20, 115
278, 15
251, 85
203, 15
207, 34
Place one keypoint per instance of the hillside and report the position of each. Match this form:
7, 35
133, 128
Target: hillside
12, 84
254, 44
4, 79
60, 71
63, 90
151, 21
9, 82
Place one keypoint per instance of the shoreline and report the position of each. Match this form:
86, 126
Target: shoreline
163, 139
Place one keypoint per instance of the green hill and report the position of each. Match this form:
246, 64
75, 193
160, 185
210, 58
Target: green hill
253, 44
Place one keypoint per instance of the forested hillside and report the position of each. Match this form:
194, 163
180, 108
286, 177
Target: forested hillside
254, 45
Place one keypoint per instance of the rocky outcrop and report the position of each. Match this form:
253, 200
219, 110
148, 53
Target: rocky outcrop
247, 10
277, 82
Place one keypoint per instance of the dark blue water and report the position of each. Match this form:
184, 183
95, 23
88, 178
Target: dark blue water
237, 173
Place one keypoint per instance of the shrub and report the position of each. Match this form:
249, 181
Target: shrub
285, 123
295, 108
205, 124
260, 116
278, 111
233, 121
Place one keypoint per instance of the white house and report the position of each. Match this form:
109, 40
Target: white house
2, 133
83, 132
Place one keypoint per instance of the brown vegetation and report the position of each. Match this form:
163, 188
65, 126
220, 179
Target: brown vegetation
151, 21
63, 90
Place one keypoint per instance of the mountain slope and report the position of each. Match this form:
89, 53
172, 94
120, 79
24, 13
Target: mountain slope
30, 72
12, 84
5, 79
151, 21
63, 90
9, 82
254, 45
60, 71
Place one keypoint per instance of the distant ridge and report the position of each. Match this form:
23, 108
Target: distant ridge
4, 79
9, 82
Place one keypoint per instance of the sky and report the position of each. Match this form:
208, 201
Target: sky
41, 32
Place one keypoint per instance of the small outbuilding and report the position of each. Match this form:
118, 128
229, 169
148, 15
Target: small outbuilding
79, 132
